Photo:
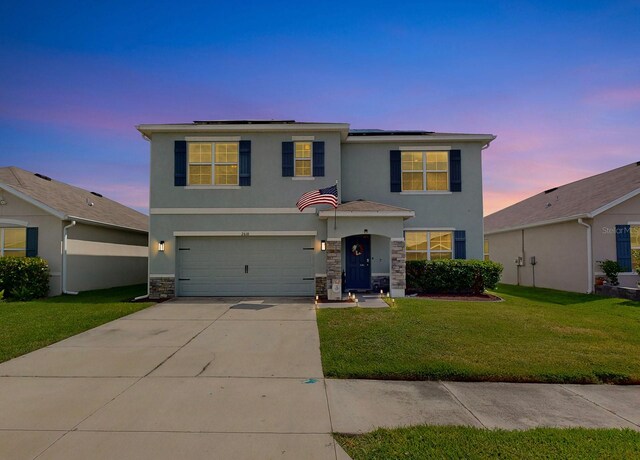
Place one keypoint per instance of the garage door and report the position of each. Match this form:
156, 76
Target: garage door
245, 266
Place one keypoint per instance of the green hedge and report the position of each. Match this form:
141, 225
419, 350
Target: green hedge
452, 276
24, 278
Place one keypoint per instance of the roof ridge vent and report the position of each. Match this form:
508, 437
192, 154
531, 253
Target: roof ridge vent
96, 194
551, 190
42, 176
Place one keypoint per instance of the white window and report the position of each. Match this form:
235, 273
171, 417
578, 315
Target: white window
213, 163
486, 249
13, 242
425, 171
428, 245
303, 159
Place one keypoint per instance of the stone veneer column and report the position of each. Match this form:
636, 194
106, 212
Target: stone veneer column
334, 268
162, 287
398, 279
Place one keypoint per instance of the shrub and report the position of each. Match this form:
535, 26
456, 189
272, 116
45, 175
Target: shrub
24, 278
611, 268
452, 276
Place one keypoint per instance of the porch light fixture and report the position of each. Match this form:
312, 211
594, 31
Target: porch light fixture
323, 245
161, 246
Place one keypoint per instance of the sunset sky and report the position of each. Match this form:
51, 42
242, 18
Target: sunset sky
557, 82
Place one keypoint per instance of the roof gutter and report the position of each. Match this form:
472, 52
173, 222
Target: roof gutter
539, 224
104, 224
65, 261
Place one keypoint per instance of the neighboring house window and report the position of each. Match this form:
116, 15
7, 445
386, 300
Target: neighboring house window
425, 171
13, 242
427, 245
213, 163
303, 159
486, 249
635, 247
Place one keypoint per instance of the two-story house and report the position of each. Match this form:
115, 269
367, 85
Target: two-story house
224, 221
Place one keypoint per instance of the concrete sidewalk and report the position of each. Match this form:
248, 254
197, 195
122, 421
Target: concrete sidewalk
225, 378
242, 379
358, 406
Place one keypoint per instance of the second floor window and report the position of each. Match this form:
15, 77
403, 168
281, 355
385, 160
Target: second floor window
427, 245
213, 163
425, 171
13, 242
303, 159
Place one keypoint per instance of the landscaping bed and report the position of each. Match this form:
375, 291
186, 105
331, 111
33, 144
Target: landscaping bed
27, 326
465, 442
534, 335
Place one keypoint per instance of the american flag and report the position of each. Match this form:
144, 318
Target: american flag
328, 195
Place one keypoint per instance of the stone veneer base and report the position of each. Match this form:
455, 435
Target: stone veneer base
162, 288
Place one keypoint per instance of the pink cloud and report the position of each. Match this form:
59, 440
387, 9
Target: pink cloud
616, 97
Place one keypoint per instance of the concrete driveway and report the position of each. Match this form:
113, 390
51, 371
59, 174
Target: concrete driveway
194, 378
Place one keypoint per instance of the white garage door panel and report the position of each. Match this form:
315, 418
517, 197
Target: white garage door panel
215, 266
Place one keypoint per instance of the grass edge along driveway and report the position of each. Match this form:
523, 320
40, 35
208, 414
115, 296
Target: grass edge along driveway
535, 335
421, 442
28, 326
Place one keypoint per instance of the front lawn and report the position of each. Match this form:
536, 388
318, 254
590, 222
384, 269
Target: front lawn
27, 326
465, 442
535, 335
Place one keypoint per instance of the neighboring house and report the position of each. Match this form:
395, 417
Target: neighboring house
223, 217
567, 230
89, 241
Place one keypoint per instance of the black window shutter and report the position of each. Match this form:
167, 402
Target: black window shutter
245, 163
395, 164
180, 163
455, 171
32, 242
623, 246
318, 159
287, 159
460, 244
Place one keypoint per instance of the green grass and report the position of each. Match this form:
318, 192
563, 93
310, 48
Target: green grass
535, 335
27, 326
449, 442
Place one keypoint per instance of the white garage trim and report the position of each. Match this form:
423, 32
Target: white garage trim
162, 275
247, 233
96, 248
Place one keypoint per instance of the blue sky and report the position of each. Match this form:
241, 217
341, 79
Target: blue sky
558, 82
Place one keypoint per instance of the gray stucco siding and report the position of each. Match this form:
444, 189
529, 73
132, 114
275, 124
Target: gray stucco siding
268, 188
365, 175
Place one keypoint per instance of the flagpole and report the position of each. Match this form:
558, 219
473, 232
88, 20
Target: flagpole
335, 211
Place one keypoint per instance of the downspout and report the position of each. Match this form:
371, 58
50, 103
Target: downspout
64, 260
589, 257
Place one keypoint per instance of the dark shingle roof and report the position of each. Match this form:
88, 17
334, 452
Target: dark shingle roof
68, 200
576, 199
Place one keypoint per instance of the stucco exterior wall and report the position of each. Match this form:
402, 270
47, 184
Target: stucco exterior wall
560, 251
268, 190
49, 233
604, 237
366, 175
101, 257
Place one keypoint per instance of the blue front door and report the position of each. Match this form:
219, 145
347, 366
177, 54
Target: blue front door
358, 262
